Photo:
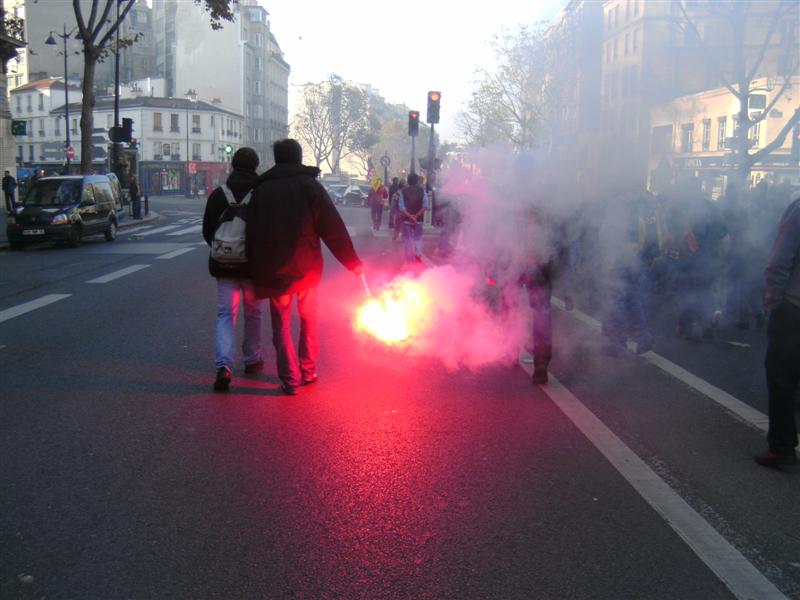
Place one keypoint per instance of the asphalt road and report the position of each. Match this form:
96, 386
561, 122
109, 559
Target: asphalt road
125, 476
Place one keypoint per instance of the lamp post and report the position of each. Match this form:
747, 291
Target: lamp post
51, 41
115, 147
191, 96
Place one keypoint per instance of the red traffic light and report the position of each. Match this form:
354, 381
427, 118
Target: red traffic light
435, 96
414, 114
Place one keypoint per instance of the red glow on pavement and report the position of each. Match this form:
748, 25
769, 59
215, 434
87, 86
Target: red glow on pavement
396, 313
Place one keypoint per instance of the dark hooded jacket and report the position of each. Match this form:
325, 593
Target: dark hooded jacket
289, 214
240, 181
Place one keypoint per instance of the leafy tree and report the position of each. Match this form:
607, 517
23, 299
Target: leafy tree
506, 104
96, 33
747, 35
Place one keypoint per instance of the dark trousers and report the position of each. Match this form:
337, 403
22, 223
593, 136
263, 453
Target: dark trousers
377, 216
539, 299
783, 376
9, 201
291, 370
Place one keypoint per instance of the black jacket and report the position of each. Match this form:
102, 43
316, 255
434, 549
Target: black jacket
240, 182
289, 214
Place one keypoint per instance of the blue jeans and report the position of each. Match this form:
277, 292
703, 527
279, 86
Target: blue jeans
292, 370
412, 240
229, 294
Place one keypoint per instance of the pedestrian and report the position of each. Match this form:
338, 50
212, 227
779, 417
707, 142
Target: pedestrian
289, 215
376, 199
782, 305
234, 286
412, 203
133, 196
394, 210
9, 188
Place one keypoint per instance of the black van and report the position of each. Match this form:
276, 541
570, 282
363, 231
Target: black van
65, 208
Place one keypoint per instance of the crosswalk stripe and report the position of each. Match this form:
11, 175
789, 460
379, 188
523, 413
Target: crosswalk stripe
118, 274
175, 253
192, 229
159, 230
26, 307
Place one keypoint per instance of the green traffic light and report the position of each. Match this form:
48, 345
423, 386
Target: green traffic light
228, 148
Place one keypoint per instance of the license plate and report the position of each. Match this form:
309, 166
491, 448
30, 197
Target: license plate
33, 232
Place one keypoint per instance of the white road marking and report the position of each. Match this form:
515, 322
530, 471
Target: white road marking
732, 404
159, 230
26, 307
134, 229
118, 274
728, 564
175, 253
192, 229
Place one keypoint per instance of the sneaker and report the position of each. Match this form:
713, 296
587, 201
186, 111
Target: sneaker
772, 459
288, 390
539, 375
309, 380
255, 367
223, 380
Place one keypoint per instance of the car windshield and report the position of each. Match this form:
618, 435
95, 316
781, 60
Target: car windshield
54, 193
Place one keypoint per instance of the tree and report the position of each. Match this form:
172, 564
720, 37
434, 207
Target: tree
748, 33
96, 32
506, 105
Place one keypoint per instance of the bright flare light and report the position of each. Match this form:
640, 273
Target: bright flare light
399, 313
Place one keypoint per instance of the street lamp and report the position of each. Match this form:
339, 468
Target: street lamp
51, 41
191, 96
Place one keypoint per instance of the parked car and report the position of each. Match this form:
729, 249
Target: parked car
65, 208
354, 196
121, 201
336, 192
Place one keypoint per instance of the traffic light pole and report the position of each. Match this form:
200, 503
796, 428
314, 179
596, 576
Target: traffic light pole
413, 153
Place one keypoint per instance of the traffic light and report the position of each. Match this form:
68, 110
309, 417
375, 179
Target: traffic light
127, 129
228, 148
433, 106
413, 123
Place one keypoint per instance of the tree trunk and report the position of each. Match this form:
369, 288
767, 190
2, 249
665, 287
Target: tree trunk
87, 111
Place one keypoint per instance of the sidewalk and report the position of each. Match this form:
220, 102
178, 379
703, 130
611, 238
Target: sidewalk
126, 222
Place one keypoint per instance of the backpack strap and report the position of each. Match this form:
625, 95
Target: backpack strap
231, 199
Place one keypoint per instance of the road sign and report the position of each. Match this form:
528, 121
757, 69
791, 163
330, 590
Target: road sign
385, 160
18, 127
70, 152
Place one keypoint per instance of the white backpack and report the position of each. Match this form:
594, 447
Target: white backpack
228, 245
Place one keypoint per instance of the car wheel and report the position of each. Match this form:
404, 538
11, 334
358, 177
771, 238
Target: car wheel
111, 231
75, 236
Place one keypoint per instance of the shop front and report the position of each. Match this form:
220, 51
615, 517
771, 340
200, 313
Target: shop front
162, 178
204, 177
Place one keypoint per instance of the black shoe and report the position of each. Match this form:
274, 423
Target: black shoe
288, 390
539, 375
255, 367
223, 380
310, 380
771, 459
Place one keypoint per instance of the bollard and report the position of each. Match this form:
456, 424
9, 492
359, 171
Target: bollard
137, 208
146, 205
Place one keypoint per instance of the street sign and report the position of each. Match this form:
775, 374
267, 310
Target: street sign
385, 160
70, 152
19, 127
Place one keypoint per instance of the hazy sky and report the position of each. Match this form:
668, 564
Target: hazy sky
401, 48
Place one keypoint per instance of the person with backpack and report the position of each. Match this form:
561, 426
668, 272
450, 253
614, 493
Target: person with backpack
224, 232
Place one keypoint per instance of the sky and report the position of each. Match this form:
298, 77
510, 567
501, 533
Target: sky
403, 49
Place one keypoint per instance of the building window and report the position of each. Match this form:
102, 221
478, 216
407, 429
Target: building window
41, 101
165, 148
196, 151
109, 120
173, 122
195, 123
21, 154
706, 135
156, 150
30, 153
157, 121
722, 126
755, 133
19, 104
687, 137
30, 103
259, 40
57, 126
41, 127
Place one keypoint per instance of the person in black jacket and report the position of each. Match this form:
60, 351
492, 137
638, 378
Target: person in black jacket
289, 215
233, 279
